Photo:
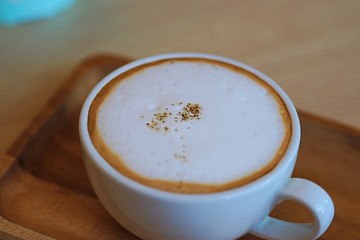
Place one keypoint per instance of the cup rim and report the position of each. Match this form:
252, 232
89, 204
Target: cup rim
107, 169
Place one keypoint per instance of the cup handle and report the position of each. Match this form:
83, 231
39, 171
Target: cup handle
312, 197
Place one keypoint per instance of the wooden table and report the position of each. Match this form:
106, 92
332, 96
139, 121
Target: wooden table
311, 48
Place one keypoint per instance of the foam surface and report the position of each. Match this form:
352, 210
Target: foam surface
191, 122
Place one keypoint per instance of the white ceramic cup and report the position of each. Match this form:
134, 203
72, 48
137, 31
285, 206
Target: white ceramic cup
154, 214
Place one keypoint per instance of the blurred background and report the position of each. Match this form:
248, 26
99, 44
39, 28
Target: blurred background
311, 48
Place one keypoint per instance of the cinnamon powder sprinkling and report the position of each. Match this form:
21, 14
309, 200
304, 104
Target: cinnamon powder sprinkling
160, 120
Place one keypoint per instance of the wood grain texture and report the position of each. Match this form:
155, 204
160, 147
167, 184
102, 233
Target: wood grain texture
311, 48
45, 192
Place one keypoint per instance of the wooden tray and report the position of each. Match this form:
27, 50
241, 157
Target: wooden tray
45, 192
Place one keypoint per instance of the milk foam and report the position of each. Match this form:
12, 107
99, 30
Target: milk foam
232, 127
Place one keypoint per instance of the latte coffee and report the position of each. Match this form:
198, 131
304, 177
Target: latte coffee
190, 125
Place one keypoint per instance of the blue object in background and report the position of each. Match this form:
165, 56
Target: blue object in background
16, 12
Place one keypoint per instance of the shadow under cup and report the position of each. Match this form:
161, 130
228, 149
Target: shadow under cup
151, 213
